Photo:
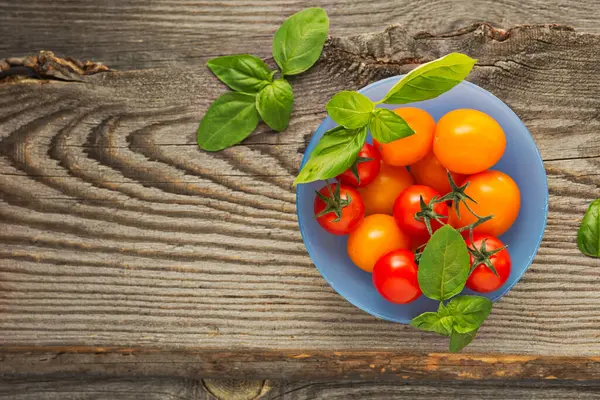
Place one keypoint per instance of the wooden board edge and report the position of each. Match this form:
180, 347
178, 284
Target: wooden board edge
293, 365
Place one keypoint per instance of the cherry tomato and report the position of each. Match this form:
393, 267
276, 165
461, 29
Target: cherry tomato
468, 141
429, 172
379, 195
496, 194
377, 235
411, 149
408, 204
339, 209
365, 168
483, 279
395, 277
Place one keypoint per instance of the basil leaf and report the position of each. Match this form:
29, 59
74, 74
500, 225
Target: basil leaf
350, 109
459, 341
228, 120
335, 153
433, 322
588, 236
469, 312
241, 72
274, 103
444, 264
299, 41
387, 126
431, 79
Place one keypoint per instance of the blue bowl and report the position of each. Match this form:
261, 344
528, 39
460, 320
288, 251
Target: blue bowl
521, 161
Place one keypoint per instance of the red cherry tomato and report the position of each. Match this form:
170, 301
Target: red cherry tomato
408, 204
365, 168
483, 279
339, 209
395, 277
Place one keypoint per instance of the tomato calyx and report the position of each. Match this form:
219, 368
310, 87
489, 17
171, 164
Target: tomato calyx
354, 167
427, 213
419, 253
470, 227
457, 195
482, 256
334, 203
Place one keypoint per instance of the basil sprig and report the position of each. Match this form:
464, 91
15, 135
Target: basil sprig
241, 72
229, 120
274, 103
336, 152
298, 42
443, 271
588, 236
350, 109
353, 110
297, 45
431, 79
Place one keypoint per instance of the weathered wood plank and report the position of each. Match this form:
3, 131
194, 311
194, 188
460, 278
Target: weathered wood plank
358, 390
102, 388
118, 231
128, 34
73, 388
278, 365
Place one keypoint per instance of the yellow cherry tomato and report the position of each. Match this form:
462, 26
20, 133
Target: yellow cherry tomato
376, 236
379, 196
468, 141
411, 149
496, 194
429, 172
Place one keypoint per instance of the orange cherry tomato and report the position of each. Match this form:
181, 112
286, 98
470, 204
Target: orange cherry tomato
379, 196
468, 141
377, 235
411, 149
496, 194
429, 172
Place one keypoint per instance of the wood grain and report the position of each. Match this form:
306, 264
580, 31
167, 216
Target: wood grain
119, 232
358, 390
102, 388
232, 389
128, 34
118, 388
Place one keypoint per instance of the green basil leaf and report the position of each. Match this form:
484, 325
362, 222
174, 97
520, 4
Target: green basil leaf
431, 79
444, 264
274, 103
459, 341
469, 312
241, 72
350, 109
299, 41
335, 153
588, 236
387, 126
228, 120
433, 322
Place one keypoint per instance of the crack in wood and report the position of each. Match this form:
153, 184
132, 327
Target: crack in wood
48, 66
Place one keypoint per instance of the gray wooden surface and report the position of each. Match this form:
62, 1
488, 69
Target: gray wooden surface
130, 255
160, 388
128, 34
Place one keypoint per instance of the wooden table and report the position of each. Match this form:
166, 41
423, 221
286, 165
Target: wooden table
133, 264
